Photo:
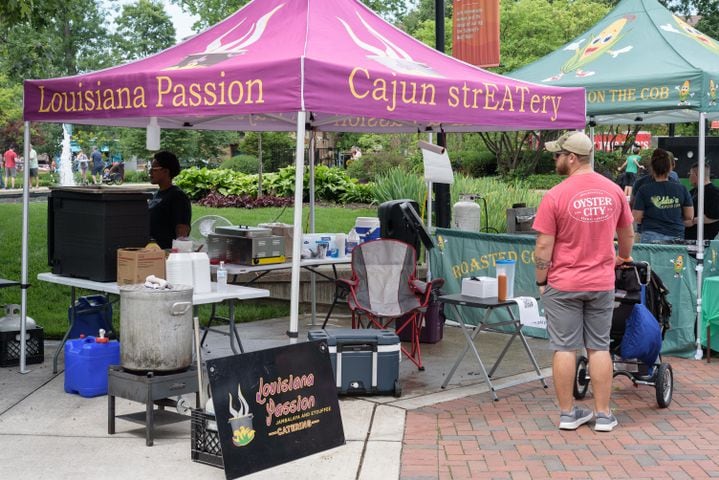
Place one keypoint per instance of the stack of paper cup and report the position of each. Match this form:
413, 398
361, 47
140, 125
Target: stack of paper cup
182, 246
201, 272
178, 269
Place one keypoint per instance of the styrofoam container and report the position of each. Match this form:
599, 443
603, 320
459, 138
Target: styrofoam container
483, 287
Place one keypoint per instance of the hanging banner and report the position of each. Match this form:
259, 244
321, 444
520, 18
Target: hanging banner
475, 32
461, 254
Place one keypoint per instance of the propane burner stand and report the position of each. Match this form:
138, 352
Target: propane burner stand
149, 389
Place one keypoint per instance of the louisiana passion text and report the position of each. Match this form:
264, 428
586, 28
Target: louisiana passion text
389, 92
95, 97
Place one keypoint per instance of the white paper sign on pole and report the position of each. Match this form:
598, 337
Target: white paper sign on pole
437, 168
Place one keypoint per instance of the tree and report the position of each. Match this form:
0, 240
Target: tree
54, 38
531, 29
212, 11
143, 28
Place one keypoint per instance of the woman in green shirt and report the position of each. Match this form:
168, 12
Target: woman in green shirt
632, 165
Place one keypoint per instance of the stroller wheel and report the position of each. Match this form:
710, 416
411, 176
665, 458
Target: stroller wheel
581, 378
664, 385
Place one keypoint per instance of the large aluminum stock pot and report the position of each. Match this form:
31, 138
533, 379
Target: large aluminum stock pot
155, 328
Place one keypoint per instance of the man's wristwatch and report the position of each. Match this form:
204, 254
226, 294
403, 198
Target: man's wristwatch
542, 284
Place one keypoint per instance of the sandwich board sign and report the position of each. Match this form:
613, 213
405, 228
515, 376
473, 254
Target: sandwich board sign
275, 405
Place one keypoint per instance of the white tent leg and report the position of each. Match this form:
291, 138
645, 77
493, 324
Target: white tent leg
24, 261
700, 231
297, 232
313, 277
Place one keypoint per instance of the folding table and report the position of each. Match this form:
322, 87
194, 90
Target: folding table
232, 293
490, 305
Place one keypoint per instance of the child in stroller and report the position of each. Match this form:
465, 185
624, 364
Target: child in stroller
631, 278
114, 174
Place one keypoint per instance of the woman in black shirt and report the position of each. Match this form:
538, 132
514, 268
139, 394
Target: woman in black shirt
170, 209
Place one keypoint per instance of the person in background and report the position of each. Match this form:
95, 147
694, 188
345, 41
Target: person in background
632, 165
673, 175
574, 269
34, 168
83, 163
663, 207
118, 165
170, 208
97, 165
711, 204
10, 157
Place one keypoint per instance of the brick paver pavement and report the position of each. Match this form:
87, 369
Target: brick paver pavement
517, 437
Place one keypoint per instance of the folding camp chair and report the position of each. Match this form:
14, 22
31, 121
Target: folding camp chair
383, 288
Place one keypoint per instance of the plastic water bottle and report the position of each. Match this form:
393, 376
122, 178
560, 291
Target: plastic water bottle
353, 240
221, 278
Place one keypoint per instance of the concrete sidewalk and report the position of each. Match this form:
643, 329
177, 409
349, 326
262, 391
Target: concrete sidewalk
46, 433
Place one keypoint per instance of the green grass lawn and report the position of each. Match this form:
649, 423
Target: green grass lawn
48, 303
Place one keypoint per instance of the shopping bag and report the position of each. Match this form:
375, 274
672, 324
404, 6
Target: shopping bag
642, 336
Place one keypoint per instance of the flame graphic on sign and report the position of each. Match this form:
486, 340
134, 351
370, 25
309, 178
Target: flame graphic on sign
244, 408
389, 55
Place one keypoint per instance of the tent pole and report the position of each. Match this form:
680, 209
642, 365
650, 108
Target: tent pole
591, 135
24, 261
700, 230
297, 232
313, 277
430, 189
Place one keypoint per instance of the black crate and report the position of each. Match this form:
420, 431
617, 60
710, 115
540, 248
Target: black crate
10, 347
205, 444
86, 226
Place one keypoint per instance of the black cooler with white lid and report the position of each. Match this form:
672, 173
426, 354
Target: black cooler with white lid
365, 361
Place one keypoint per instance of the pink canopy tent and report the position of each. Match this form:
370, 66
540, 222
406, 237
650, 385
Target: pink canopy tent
293, 65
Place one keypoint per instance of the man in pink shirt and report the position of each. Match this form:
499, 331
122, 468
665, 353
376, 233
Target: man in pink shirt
10, 156
575, 261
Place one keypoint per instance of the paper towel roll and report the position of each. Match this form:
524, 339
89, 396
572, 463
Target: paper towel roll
340, 242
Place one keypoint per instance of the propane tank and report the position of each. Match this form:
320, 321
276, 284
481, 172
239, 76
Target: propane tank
11, 321
466, 213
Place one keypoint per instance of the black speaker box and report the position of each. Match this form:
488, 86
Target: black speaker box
686, 152
392, 223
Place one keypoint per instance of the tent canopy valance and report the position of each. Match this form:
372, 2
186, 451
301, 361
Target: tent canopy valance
337, 60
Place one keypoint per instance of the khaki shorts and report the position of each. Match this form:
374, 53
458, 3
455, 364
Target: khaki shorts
578, 319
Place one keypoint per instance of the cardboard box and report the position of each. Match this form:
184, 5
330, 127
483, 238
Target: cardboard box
482, 287
136, 264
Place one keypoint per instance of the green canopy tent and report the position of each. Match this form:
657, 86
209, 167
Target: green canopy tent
641, 64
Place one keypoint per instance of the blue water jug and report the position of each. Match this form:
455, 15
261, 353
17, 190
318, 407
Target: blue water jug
92, 313
86, 363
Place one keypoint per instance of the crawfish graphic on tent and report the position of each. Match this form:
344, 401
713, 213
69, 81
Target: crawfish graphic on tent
224, 47
597, 46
